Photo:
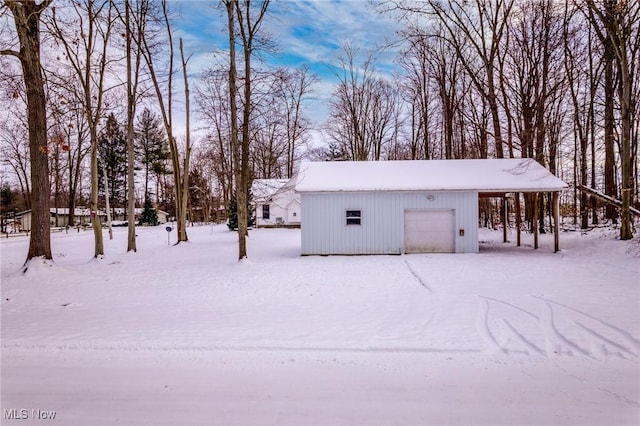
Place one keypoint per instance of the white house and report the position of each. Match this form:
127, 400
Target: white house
121, 213
394, 207
276, 202
60, 217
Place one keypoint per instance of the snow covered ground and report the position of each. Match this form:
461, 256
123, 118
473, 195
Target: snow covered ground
186, 335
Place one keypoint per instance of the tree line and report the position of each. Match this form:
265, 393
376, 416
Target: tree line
92, 89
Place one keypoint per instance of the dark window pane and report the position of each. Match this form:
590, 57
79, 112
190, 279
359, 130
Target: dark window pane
354, 217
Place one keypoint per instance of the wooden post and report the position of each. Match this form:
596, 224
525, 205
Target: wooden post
535, 220
556, 222
518, 218
505, 218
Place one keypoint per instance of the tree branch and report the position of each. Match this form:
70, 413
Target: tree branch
9, 52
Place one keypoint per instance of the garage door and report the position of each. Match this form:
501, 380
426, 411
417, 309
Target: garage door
429, 231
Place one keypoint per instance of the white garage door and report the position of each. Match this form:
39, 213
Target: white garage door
429, 231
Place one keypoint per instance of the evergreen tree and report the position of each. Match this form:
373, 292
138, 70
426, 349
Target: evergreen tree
112, 151
232, 212
151, 146
149, 214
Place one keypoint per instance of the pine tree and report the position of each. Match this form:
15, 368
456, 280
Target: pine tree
152, 148
232, 212
149, 214
112, 149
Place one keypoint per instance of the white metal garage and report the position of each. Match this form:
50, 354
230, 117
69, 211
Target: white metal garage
395, 207
429, 231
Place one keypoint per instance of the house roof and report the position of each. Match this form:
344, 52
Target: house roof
490, 175
265, 188
78, 211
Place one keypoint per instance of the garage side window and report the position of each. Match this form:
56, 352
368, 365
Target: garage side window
265, 211
354, 217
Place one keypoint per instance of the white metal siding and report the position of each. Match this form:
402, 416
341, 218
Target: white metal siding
324, 229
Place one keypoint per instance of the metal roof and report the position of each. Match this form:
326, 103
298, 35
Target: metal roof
485, 175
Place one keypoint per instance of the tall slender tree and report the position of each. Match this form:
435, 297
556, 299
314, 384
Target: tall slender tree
135, 20
85, 36
617, 23
248, 20
26, 15
165, 104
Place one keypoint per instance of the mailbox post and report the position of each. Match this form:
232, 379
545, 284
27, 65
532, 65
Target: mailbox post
169, 229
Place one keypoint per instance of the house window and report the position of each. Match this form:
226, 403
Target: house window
265, 211
354, 217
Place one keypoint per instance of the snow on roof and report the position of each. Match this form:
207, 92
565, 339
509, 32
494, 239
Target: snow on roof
491, 175
78, 211
265, 188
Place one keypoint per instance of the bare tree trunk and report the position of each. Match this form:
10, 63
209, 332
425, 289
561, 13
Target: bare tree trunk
106, 200
609, 130
235, 143
242, 183
187, 154
249, 28
26, 16
166, 110
132, 83
95, 217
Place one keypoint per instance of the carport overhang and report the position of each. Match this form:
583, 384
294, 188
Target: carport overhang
536, 193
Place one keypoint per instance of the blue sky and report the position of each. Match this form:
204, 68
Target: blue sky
309, 32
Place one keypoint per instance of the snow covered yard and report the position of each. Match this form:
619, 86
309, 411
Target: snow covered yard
186, 335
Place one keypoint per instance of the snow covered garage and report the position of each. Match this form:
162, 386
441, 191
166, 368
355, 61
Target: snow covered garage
393, 207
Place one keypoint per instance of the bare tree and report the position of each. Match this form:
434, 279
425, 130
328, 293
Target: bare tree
237, 186
617, 22
293, 87
73, 123
15, 152
248, 19
212, 97
85, 37
135, 22
26, 15
475, 30
363, 108
180, 175
187, 150
582, 81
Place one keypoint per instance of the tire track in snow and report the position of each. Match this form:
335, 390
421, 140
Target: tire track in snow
556, 341
619, 397
532, 347
482, 326
554, 338
605, 340
417, 277
627, 337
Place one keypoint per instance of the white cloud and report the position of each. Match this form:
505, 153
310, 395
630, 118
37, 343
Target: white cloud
310, 32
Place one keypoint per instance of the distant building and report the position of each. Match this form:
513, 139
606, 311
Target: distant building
59, 217
82, 217
276, 202
120, 215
